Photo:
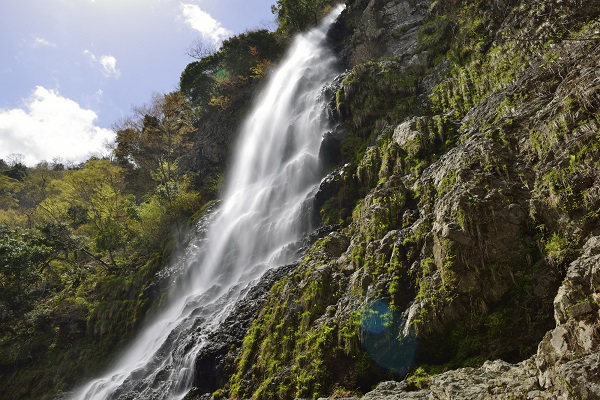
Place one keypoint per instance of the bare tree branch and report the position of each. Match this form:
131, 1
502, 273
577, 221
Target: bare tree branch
200, 49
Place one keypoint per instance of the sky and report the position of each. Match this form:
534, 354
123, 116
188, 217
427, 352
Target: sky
71, 69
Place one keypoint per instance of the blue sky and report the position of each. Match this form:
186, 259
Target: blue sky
69, 69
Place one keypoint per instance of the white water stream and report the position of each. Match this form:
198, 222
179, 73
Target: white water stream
258, 226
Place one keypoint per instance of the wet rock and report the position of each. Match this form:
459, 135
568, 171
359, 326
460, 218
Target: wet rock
330, 153
214, 362
331, 185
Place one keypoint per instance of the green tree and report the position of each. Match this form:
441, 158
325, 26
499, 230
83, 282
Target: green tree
18, 171
22, 252
92, 199
198, 81
242, 52
298, 15
152, 141
9, 189
219, 75
37, 186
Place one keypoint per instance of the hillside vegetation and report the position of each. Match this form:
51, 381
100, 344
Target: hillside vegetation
82, 245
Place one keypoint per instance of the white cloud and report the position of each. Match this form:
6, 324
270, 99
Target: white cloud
51, 126
201, 21
107, 63
41, 42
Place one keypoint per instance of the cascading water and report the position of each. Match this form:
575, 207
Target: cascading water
258, 226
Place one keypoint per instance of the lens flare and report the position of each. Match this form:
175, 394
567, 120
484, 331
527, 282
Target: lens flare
385, 339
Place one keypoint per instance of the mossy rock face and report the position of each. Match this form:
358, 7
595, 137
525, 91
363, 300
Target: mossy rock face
371, 29
473, 185
396, 85
65, 340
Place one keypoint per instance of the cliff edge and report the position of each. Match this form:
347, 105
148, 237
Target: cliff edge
465, 197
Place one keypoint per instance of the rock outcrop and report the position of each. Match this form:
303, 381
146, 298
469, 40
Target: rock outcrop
467, 198
215, 359
568, 358
372, 29
566, 365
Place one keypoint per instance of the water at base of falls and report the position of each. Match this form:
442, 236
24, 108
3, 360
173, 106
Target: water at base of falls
258, 225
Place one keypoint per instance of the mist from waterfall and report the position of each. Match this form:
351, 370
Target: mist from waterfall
264, 213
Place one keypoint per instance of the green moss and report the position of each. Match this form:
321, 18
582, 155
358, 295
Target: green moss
312, 348
295, 327
368, 168
377, 91
433, 36
447, 183
558, 186
559, 249
77, 335
309, 371
428, 265
420, 377
460, 216
476, 71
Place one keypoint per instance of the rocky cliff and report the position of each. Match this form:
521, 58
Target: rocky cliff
465, 197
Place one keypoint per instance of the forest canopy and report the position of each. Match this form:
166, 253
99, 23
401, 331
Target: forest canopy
81, 244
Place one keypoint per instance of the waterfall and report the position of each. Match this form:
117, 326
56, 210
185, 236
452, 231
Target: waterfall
258, 226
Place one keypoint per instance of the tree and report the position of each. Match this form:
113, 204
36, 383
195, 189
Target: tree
92, 201
198, 80
37, 186
17, 171
15, 158
9, 190
201, 49
21, 254
242, 52
298, 15
219, 74
98, 187
153, 143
